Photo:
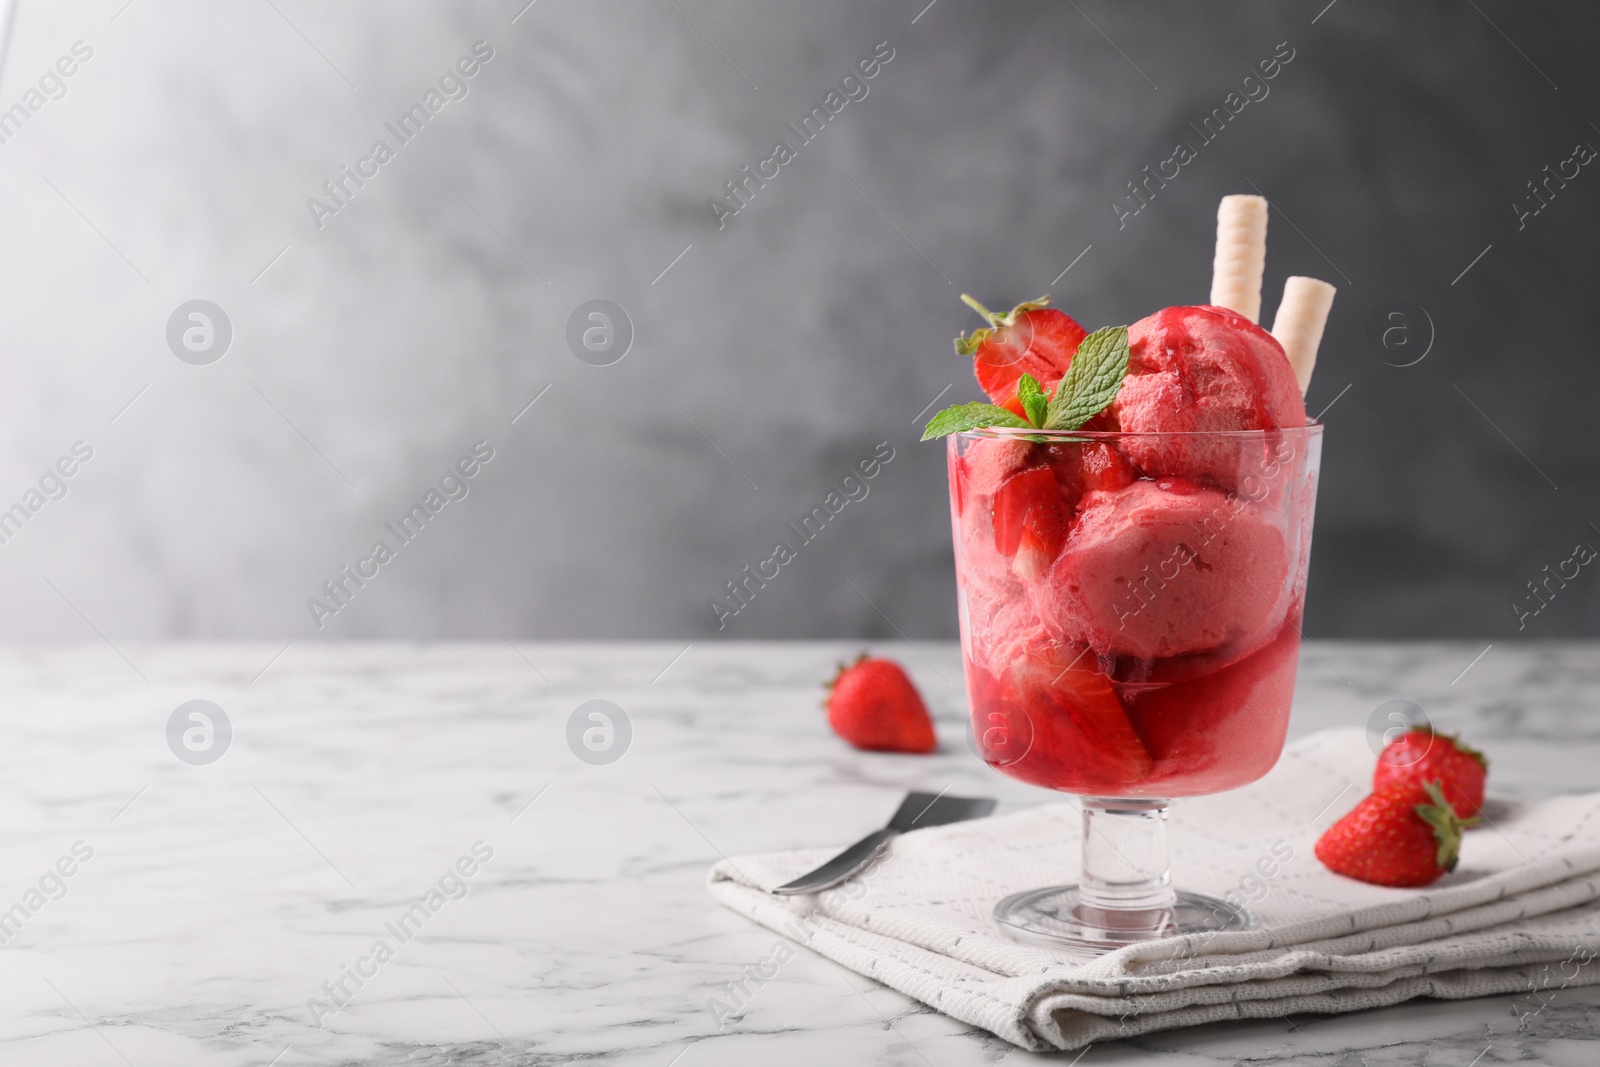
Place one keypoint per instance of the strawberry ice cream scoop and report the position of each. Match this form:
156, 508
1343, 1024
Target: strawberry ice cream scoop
1201, 369
1166, 567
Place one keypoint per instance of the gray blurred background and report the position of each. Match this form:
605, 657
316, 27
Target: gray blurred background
769, 355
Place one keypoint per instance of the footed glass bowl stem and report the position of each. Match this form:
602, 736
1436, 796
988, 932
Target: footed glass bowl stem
1124, 894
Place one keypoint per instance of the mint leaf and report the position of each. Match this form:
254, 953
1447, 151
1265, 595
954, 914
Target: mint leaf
1092, 380
974, 416
1033, 398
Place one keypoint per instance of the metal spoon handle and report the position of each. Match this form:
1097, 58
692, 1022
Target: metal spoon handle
841, 866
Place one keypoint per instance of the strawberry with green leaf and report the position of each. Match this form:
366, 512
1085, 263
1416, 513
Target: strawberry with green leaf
1031, 339
1421, 755
1404, 834
1085, 372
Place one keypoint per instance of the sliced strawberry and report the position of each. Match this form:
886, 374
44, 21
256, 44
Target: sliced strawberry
1037, 550
1093, 705
1083, 468
1067, 681
1105, 468
1028, 506
1031, 339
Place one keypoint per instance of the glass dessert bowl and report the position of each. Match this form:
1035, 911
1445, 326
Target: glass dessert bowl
1130, 608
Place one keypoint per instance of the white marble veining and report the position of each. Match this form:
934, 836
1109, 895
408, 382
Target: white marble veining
218, 901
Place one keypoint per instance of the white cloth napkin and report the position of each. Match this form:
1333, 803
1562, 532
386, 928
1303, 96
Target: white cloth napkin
1519, 917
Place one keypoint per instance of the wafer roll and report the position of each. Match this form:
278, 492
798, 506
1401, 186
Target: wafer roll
1298, 326
1241, 255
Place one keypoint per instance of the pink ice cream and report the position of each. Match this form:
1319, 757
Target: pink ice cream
1131, 597
1165, 568
1181, 562
1201, 369
1183, 551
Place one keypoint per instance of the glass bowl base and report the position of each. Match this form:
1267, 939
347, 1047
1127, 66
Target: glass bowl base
1055, 916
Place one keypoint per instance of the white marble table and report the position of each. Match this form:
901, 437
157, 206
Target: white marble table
219, 898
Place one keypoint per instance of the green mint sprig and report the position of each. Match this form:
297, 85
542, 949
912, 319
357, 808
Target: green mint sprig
1035, 402
969, 417
1091, 383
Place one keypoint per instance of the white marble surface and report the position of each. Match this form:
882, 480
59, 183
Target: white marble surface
220, 899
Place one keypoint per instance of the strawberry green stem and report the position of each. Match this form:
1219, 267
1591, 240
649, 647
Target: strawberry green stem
1455, 739
1447, 827
992, 318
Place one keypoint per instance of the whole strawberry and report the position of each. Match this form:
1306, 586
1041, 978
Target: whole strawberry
1404, 834
873, 705
1421, 755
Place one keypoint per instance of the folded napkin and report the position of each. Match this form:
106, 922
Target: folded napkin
1520, 915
